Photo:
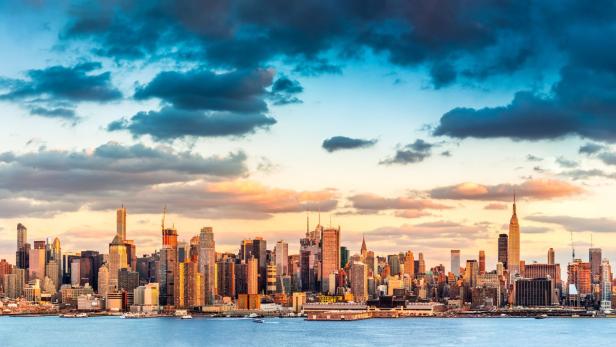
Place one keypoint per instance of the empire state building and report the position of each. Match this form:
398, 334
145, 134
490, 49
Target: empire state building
513, 248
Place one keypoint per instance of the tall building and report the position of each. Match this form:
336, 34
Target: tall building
117, 260
409, 264
252, 278
22, 256
37, 261
513, 246
259, 252
482, 262
121, 223
169, 276
579, 275
455, 262
606, 285
364, 249
421, 269
594, 258
330, 253
207, 263
359, 281
282, 258
226, 278
344, 256
394, 264
470, 273
503, 245
551, 256
103, 280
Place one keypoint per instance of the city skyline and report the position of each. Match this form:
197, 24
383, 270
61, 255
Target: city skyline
376, 136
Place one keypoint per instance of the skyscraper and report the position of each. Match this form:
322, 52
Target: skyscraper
37, 261
259, 252
330, 253
513, 247
409, 264
359, 281
252, 277
22, 256
121, 223
606, 285
421, 269
455, 262
282, 258
482, 262
551, 256
207, 263
594, 258
503, 244
117, 260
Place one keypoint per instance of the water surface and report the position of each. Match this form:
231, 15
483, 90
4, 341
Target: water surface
114, 331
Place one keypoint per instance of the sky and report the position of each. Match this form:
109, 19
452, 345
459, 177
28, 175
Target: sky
409, 123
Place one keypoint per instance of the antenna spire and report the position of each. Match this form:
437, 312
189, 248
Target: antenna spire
572, 247
163, 221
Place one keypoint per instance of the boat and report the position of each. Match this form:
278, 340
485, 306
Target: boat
82, 315
186, 316
575, 316
541, 316
253, 315
258, 320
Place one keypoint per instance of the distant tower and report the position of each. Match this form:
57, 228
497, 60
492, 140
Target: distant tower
513, 249
503, 243
121, 223
482, 262
207, 263
551, 256
330, 253
455, 262
364, 249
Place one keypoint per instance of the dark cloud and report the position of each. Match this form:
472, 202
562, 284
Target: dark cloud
337, 143
481, 39
581, 174
600, 225
53, 91
566, 163
412, 153
531, 157
608, 158
537, 189
237, 91
284, 91
590, 148
170, 123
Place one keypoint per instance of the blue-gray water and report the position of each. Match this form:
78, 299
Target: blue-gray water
114, 331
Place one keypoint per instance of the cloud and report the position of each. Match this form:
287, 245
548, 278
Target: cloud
170, 123
478, 41
235, 199
375, 202
49, 181
52, 92
412, 153
241, 91
536, 189
566, 163
608, 158
590, 148
495, 206
600, 225
531, 157
201, 103
581, 174
436, 234
284, 91
337, 143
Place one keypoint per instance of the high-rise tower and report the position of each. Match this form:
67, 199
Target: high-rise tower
513, 246
121, 223
207, 263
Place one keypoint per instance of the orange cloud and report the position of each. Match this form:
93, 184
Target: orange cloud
537, 189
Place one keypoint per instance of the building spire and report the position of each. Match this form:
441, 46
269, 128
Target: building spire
364, 249
514, 207
163, 221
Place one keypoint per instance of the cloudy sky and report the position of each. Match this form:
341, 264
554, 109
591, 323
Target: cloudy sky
409, 122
